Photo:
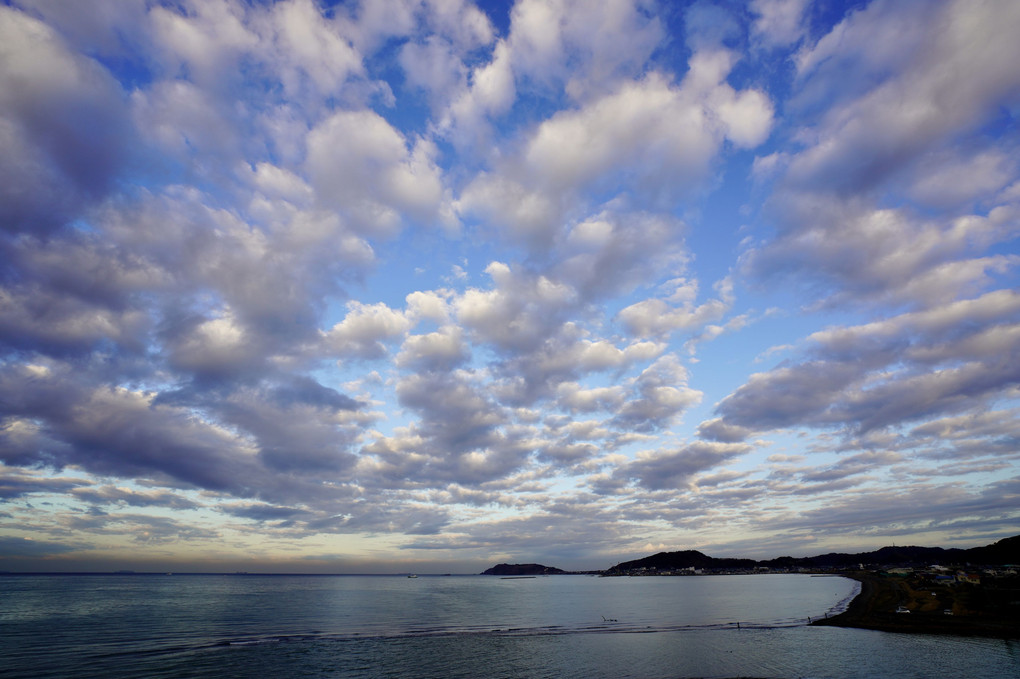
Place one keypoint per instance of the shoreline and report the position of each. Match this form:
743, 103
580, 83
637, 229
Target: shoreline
874, 608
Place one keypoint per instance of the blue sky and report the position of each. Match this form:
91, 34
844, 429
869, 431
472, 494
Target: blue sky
424, 285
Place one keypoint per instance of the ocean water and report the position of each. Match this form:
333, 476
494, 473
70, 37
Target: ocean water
119, 626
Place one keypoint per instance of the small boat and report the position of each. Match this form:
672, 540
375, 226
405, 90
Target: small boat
902, 609
412, 575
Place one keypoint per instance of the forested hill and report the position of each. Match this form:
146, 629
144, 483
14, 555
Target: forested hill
680, 560
1006, 551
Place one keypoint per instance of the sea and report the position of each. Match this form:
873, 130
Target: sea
561, 626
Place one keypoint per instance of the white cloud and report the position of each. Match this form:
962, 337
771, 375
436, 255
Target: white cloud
649, 131
462, 22
308, 46
519, 313
370, 23
576, 399
361, 165
208, 41
442, 350
946, 180
428, 305
779, 22
489, 93
882, 254
62, 125
604, 43
862, 142
100, 25
214, 345
530, 215
217, 216
885, 374
434, 67
282, 183
660, 394
181, 118
674, 469
586, 50
656, 317
365, 330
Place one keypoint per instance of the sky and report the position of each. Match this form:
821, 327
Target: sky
427, 285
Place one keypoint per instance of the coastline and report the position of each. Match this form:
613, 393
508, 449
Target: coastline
875, 606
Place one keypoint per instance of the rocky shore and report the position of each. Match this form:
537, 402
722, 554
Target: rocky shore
876, 607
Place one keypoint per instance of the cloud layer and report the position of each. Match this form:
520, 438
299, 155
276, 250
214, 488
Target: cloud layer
419, 281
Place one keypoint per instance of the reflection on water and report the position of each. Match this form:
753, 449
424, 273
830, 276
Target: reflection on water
560, 626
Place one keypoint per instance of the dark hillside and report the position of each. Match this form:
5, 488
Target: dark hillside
1003, 552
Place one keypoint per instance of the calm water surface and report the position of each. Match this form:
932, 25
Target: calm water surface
460, 626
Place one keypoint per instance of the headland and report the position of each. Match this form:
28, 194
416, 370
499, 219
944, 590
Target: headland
916, 603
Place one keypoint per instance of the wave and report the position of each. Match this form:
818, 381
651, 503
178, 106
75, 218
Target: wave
179, 647
496, 631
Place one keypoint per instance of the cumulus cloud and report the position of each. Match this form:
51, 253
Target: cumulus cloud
894, 512
864, 140
434, 67
632, 135
436, 351
364, 330
854, 252
117, 432
887, 373
62, 126
604, 43
779, 22
908, 114
655, 316
946, 179
660, 395
365, 169
572, 397
310, 48
519, 312
465, 419
673, 469
586, 51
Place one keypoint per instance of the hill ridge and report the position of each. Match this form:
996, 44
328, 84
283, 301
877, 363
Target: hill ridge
1002, 552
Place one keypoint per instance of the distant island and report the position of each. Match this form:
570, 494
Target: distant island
512, 569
